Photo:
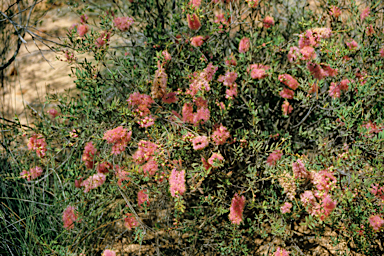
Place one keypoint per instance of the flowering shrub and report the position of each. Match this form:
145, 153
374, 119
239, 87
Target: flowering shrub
227, 128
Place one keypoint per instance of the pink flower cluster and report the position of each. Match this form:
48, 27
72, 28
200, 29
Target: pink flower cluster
335, 89
312, 37
200, 142
258, 71
289, 81
70, 216
299, 170
335, 11
274, 157
236, 209
119, 137
286, 108
252, 3
146, 153
170, 98
293, 54
32, 174
376, 222
230, 61
193, 22
93, 182
352, 45
141, 103
197, 41
53, 112
286, 208
220, 19
268, 22
281, 252
123, 23
195, 3
177, 183
378, 191
121, 175
130, 221
320, 71
38, 144
287, 182
324, 181
82, 29
229, 80
216, 158
89, 155
244, 45
143, 197
201, 116
220, 135
102, 39
372, 128
108, 252
365, 13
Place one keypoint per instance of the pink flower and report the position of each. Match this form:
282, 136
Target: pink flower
236, 209
287, 94
195, 3
258, 71
170, 98
89, 155
200, 102
299, 170
252, 3
93, 182
215, 158
123, 23
145, 151
289, 81
308, 53
130, 221
193, 22
229, 78
70, 216
121, 175
177, 183
166, 55
244, 45
197, 41
370, 30
119, 137
268, 22
281, 252
274, 157
202, 115
146, 122
200, 142
104, 167
376, 222
53, 113
142, 102
83, 18
324, 180
334, 90
108, 253
328, 206
187, 112
381, 52
230, 61
309, 202
150, 168
286, 208
82, 29
102, 39
335, 11
365, 13
319, 71
287, 108
143, 197
38, 144
378, 192
32, 174
352, 45
220, 135
293, 54
231, 92
209, 72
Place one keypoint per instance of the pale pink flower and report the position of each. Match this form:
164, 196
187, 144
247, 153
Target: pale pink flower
93, 182
150, 168
308, 53
334, 90
376, 222
324, 180
146, 150
378, 192
289, 81
229, 78
309, 202
287, 108
195, 3
32, 174
209, 72
200, 142
244, 45
143, 197
236, 209
299, 170
123, 23
82, 29
252, 3
287, 94
119, 137
258, 71
121, 175
381, 52
167, 55
187, 112
274, 157
281, 252
365, 13
215, 158
70, 216
102, 39
268, 22
38, 144
293, 54
201, 116
146, 121
108, 253
130, 221
53, 113
335, 11
83, 18
177, 183
89, 155
328, 206
352, 45
286, 208
170, 98
193, 22
197, 41
220, 135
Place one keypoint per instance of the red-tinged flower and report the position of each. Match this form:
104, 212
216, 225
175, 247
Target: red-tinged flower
187, 112
352, 45
215, 158
142, 198
70, 216
177, 183
229, 78
206, 165
268, 22
108, 253
293, 54
319, 71
376, 222
38, 144
146, 122
281, 252
308, 53
78, 182
274, 157
231, 92
200, 142
328, 206
236, 209
289, 81
309, 202
197, 41
200, 102
150, 168
334, 91
209, 72
104, 167
230, 61
314, 88
83, 18
170, 98
299, 170
324, 180
252, 3
141, 103
365, 13
220, 135
258, 71
82, 29
89, 155
287, 94
119, 137
146, 150
167, 55
93, 182
344, 84
244, 45
193, 22
286, 208
123, 23
201, 116
195, 3
287, 108
335, 11
378, 192
130, 221
53, 113
103, 39
121, 175
370, 30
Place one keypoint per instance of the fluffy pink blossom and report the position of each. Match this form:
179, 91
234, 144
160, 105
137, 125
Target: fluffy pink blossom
104, 167
82, 29
293, 54
130, 221
286, 108
244, 45
53, 112
170, 98
121, 175
195, 3
281, 252
344, 84
70, 216
119, 137
177, 182
123, 23
83, 18
313, 36
197, 41
143, 197
378, 192
324, 180
274, 157
365, 13
187, 112
193, 22
319, 71
200, 142
93, 182
89, 155
32, 174
376, 222
287, 94
381, 52
200, 102
352, 45
231, 92
328, 206
220, 135
286, 208
198, 83
308, 53
289, 81
309, 202
335, 11
146, 122
102, 39
258, 71
268, 22
209, 72
38, 144
167, 55
229, 78
141, 103
299, 170
236, 209
108, 253
230, 61
151, 167
222, 21
252, 3
334, 90
215, 158
146, 150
